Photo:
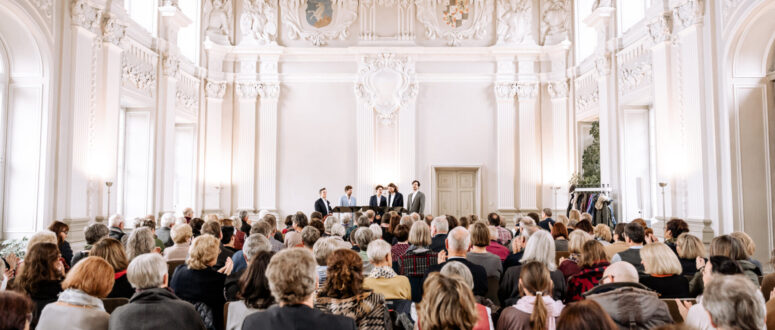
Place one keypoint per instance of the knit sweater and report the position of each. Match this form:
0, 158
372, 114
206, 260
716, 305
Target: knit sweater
367, 308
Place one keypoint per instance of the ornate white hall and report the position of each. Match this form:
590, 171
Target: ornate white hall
149, 106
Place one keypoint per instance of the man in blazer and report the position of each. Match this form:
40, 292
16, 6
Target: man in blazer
377, 200
292, 279
395, 199
322, 205
458, 241
416, 199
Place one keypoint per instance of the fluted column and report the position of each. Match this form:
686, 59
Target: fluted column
267, 146
556, 142
214, 171
505, 91
529, 146
245, 146
165, 134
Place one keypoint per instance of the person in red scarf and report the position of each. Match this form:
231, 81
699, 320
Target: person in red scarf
593, 263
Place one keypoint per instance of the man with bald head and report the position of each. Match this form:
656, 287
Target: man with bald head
629, 303
457, 243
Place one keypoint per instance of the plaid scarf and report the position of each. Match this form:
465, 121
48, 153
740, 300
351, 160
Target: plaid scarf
382, 272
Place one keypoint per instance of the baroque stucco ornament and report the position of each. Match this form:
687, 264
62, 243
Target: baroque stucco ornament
429, 13
218, 14
555, 22
557, 89
659, 29
259, 22
514, 22
86, 16
386, 83
215, 89
294, 17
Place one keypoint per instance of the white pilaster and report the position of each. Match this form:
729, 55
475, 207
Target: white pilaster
267, 146
529, 146
245, 159
555, 140
165, 135
214, 170
505, 91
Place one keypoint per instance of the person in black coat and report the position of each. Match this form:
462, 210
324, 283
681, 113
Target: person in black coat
292, 279
457, 244
198, 283
213, 228
322, 205
154, 305
439, 229
378, 202
394, 198
41, 277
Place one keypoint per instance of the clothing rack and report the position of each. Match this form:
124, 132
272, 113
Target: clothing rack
605, 188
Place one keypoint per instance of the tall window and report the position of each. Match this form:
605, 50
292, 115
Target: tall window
189, 37
145, 13
586, 37
185, 159
630, 13
135, 159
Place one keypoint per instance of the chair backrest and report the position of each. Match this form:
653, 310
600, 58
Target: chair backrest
171, 265
415, 282
225, 314
560, 254
493, 284
112, 303
672, 306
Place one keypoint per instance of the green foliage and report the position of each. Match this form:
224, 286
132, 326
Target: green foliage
590, 160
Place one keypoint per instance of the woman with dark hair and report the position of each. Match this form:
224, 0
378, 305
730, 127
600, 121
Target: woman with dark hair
196, 226
112, 251
732, 248
61, 229
254, 291
673, 229
560, 235
15, 311
586, 226
41, 277
585, 314
343, 293
593, 263
452, 222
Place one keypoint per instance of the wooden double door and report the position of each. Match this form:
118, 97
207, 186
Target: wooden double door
456, 191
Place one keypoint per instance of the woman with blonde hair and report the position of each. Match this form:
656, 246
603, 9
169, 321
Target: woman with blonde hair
603, 234
593, 263
750, 247
574, 217
664, 271
570, 266
181, 235
536, 309
689, 248
112, 251
447, 304
198, 283
80, 305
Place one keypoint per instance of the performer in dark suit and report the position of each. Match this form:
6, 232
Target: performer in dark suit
378, 196
395, 199
322, 205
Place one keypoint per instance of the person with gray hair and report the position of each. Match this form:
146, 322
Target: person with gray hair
406, 221
330, 222
163, 233
253, 245
363, 236
439, 229
154, 304
92, 233
309, 235
382, 278
376, 230
457, 244
322, 249
540, 247
116, 223
363, 221
733, 302
141, 241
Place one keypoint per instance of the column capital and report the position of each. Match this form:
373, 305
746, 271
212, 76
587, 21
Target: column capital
505, 90
248, 89
171, 65
527, 89
603, 64
688, 13
85, 15
269, 91
215, 89
557, 89
660, 28
113, 30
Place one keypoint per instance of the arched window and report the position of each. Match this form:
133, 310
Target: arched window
144, 13
586, 37
189, 36
630, 13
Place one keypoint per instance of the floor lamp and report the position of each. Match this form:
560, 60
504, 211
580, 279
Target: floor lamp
555, 189
109, 184
663, 185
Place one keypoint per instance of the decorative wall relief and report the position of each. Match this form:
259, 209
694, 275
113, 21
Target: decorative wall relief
368, 10
633, 76
659, 28
138, 70
218, 20
688, 13
215, 89
318, 21
555, 21
455, 20
514, 22
85, 15
557, 89
258, 22
387, 83
585, 102
113, 30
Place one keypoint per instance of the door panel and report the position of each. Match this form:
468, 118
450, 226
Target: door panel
456, 191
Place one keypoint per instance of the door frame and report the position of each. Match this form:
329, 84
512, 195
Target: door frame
477, 187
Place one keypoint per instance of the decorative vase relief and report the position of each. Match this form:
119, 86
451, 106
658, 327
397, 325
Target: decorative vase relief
319, 13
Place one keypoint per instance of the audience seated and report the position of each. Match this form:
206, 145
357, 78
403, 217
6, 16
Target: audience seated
730, 247
494, 247
383, 279
734, 303
634, 236
750, 249
480, 240
696, 315
154, 306
196, 226
401, 236
15, 311
688, 248
338, 232
585, 314
61, 230
321, 250
602, 234
116, 227
618, 244
292, 280
92, 233
439, 230
112, 251
164, 233
310, 235
198, 283
673, 230
535, 309
630, 304
524, 228
768, 282
447, 304
560, 235
457, 244
585, 225
504, 236
570, 266
41, 277
540, 248
181, 235
252, 246
343, 293
141, 241
418, 258
274, 237
254, 294
362, 237
79, 304
484, 307
293, 237
213, 228
149, 223
593, 263
228, 235
664, 271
